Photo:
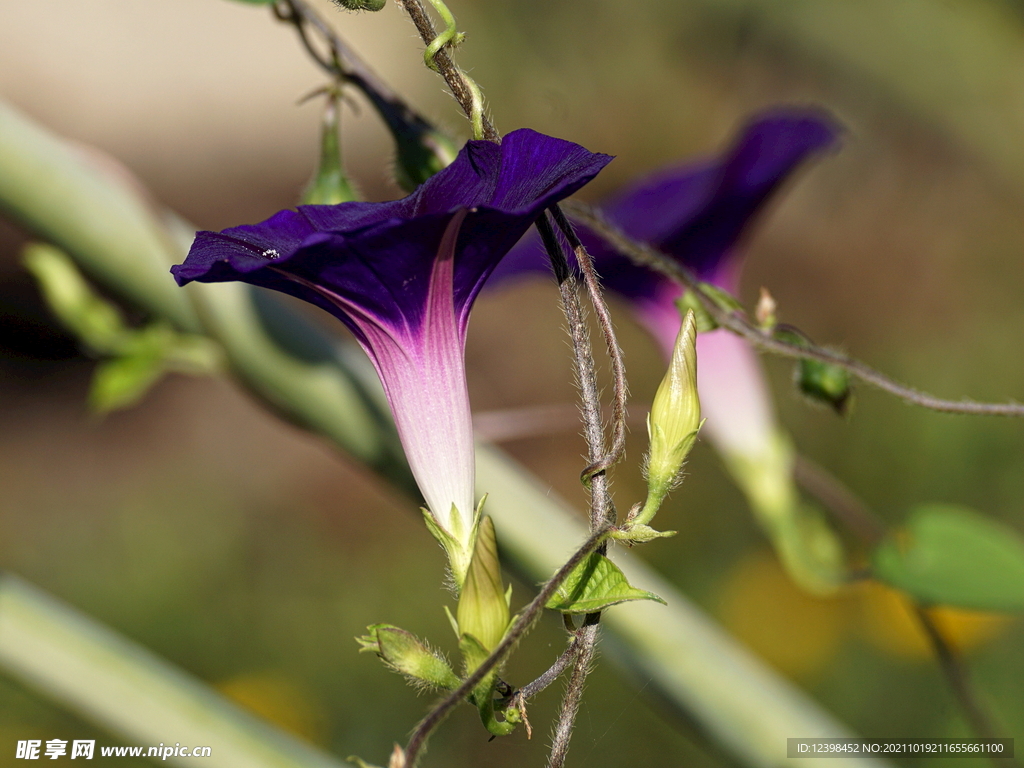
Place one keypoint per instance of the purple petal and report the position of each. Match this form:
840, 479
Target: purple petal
379, 255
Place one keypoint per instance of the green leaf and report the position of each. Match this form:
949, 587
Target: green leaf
954, 556
596, 584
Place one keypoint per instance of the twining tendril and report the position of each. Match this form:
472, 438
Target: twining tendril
449, 38
466, 92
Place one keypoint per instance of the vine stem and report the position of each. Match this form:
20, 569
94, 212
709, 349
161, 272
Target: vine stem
522, 625
620, 390
595, 476
959, 680
645, 255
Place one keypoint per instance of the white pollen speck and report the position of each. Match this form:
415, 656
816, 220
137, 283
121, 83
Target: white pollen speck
272, 253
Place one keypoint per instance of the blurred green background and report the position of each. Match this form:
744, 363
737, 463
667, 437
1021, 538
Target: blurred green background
250, 554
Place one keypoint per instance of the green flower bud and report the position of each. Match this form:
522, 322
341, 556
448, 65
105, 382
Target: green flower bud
483, 611
408, 655
330, 184
675, 413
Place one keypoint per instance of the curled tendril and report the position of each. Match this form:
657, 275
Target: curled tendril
450, 37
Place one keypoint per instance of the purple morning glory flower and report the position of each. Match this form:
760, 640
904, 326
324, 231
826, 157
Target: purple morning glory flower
699, 213
403, 276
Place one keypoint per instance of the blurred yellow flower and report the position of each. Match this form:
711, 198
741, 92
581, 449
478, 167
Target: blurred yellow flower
889, 623
279, 700
794, 631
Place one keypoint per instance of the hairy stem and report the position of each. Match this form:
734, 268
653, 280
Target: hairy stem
587, 642
620, 392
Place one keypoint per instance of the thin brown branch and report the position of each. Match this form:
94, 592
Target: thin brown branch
522, 625
843, 503
451, 73
647, 256
552, 673
958, 676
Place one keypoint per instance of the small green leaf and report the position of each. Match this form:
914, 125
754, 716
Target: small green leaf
595, 584
949, 555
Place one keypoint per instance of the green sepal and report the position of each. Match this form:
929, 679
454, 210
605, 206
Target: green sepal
405, 653
452, 621
593, 585
474, 654
949, 555
819, 381
483, 610
722, 299
459, 553
638, 534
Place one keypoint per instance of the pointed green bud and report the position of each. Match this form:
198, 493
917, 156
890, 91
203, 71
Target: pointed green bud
483, 611
330, 184
408, 655
675, 413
